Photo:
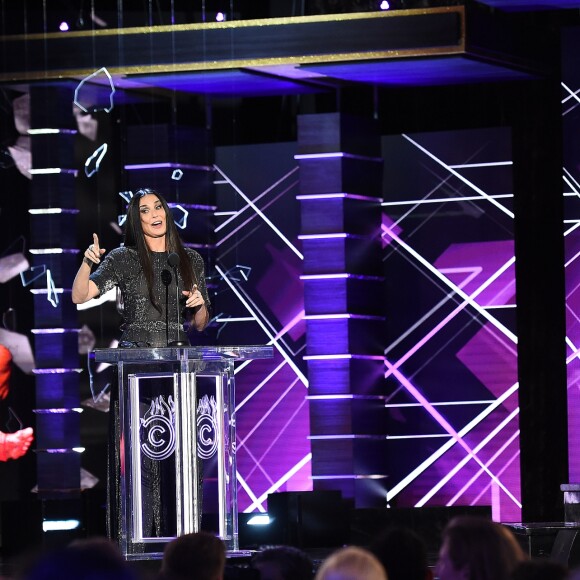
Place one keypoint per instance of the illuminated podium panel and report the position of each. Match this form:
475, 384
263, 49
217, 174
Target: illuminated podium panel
176, 442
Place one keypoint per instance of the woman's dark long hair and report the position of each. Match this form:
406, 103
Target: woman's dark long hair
134, 238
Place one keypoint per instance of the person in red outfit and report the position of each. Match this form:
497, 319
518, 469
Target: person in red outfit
5, 371
12, 445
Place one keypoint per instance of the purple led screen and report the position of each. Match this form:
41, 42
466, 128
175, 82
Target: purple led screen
260, 300
450, 354
450, 357
571, 187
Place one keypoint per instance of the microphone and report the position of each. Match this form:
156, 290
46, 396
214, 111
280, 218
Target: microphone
166, 280
173, 260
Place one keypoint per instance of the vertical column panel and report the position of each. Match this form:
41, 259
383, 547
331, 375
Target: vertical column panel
55, 260
340, 185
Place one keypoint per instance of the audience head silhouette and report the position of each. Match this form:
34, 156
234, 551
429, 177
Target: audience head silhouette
90, 559
283, 563
196, 556
476, 548
403, 554
351, 563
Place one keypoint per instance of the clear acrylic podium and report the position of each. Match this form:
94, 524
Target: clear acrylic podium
177, 443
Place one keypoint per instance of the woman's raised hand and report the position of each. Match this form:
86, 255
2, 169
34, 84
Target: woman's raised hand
94, 252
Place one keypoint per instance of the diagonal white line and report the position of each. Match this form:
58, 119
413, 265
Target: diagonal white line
280, 433
272, 340
253, 309
306, 459
573, 182
420, 202
575, 353
490, 164
570, 230
476, 476
259, 386
244, 224
573, 186
571, 94
245, 486
261, 214
448, 427
456, 289
574, 257
452, 472
258, 197
501, 472
280, 334
468, 299
289, 326
257, 466
439, 305
258, 424
427, 199
395, 490
460, 177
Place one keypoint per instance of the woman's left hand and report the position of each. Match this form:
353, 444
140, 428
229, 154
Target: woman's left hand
194, 297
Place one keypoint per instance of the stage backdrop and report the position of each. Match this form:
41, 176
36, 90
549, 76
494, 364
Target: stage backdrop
450, 357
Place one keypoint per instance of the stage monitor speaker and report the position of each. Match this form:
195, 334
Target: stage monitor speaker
427, 522
309, 519
22, 522
253, 536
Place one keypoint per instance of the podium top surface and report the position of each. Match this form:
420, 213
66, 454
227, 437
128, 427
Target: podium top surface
570, 487
178, 353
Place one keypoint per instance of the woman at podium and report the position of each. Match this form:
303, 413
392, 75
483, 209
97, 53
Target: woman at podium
156, 312
163, 295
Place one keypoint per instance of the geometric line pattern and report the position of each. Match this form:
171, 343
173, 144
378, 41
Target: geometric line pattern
448, 236
257, 230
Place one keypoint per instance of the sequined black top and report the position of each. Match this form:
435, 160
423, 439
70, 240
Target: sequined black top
143, 325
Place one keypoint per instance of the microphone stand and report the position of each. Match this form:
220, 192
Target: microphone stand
166, 279
173, 260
